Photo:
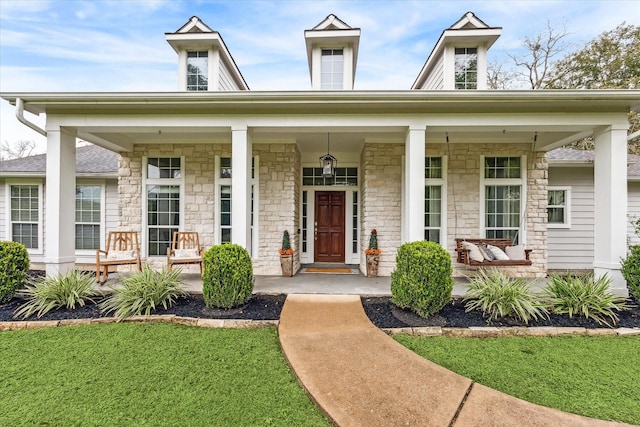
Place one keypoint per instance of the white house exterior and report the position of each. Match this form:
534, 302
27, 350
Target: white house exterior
438, 161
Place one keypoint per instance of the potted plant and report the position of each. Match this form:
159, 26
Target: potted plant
373, 254
286, 255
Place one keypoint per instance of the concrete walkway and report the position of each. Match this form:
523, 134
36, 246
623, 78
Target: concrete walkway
359, 376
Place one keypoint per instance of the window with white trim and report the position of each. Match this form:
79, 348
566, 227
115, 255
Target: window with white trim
224, 206
197, 70
466, 68
88, 216
332, 69
503, 181
434, 192
164, 186
25, 214
558, 215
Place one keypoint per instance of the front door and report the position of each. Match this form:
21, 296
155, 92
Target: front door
329, 226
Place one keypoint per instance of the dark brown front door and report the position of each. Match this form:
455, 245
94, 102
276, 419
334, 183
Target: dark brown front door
329, 226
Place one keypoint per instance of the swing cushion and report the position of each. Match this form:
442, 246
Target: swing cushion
498, 253
474, 251
515, 252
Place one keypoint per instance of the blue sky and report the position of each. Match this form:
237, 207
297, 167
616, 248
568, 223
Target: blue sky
119, 45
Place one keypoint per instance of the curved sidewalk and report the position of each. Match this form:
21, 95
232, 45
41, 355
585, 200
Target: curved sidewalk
359, 376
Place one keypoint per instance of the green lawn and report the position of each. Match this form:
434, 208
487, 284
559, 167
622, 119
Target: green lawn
593, 376
130, 374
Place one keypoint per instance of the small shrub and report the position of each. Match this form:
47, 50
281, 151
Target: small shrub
631, 271
228, 276
584, 296
143, 291
422, 279
49, 293
14, 265
497, 295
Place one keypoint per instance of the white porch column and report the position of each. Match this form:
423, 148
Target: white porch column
610, 176
414, 185
241, 150
60, 234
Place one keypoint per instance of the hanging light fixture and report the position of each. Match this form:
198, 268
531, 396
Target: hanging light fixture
328, 162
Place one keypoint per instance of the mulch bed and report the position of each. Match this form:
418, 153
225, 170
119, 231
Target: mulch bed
380, 310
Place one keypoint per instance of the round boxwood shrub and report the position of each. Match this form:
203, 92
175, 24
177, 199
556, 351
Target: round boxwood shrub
422, 279
631, 271
228, 276
14, 265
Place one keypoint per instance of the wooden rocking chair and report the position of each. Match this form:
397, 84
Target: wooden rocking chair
122, 249
185, 249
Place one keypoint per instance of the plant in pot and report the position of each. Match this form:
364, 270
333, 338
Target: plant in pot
286, 255
373, 254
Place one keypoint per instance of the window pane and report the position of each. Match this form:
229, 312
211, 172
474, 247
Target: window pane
163, 205
502, 167
197, 71
433, 167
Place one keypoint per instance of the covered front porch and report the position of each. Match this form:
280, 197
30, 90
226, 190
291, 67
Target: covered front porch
420, 160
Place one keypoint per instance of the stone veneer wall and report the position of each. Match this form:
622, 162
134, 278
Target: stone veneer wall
381, 201
279, 192
463, 197
280, 181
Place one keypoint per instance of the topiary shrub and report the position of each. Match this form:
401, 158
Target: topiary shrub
631, 271
422, 279
14, 265
228, 276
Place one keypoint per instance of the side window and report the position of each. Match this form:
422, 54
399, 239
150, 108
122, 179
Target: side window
558, 215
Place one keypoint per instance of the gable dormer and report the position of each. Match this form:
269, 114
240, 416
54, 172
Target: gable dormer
459, 59
204, 62
332, 52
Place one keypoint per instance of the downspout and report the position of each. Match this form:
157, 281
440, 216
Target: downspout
23, 120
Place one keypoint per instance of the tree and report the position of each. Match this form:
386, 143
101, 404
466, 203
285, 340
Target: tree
610, 61
541, 49
22, 148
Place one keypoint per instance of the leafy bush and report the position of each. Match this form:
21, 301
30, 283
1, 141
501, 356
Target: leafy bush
143, 291
49, 293
631, 271
497, 295
584, 296
422, 279
228, 276
14, 265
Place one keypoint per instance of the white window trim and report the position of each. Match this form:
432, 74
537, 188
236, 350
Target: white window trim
255, 183
11, 182
522, 181
103, 214
567, 207
442, 182
158, 181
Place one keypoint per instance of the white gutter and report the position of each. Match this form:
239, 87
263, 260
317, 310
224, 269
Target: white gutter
23, 120
633, 135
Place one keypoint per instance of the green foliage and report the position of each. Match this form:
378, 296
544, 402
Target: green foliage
45, 294
373, 239
286, 243
610, 61
14, 265
143, 291
631, 271
422, 279
497, 295
584, 296
228, 276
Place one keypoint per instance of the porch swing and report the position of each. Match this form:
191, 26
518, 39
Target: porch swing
487, 252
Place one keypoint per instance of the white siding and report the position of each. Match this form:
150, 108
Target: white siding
226, 81
572, 248
435, 80
4, 235
111, 206
633, 200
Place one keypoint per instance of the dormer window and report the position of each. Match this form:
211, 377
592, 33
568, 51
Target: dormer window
197, 70
466, 63
332, 69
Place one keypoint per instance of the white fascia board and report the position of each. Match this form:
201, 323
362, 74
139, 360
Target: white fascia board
194, 41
